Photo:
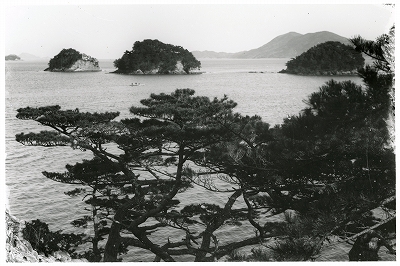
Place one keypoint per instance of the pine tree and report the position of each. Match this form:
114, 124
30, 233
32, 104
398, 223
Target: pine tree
338, 150
164, 149
100, 185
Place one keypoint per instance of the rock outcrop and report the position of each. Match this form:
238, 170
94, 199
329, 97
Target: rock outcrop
20, 250
82, 66
178, 71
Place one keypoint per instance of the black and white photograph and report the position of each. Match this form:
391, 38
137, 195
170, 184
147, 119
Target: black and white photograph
199, 131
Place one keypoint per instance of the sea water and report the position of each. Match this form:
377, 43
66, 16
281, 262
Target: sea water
254, 84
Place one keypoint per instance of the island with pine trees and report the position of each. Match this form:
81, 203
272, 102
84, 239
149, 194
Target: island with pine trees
70, 60
329, 58
12, 57
155, 57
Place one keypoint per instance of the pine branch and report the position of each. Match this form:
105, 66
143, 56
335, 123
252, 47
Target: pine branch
370, 228
250, 217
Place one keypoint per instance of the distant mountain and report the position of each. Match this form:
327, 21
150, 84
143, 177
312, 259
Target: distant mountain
26, 56
288, 45
211, 54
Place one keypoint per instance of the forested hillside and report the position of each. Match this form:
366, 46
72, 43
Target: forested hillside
329, 58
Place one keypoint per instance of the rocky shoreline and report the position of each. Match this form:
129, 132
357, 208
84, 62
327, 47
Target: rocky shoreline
156, 71
20, 250
321, 73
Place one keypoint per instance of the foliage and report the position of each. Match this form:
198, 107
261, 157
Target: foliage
256, 254
67, 57
101, 186
149, 55
45, 241
295, 249
336, 165
380, 50
175, 133
325, 59
341, 160
339, 147
12, 57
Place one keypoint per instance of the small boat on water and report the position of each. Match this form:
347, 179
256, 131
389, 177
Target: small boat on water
136, 84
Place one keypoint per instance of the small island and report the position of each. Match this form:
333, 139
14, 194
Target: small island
12, 57
155, 57
70, 60
329, 58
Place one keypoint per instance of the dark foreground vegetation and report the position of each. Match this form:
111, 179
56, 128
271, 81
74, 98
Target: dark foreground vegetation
325, 169
329, 58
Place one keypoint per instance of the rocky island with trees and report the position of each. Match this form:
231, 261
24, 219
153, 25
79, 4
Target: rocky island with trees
324, 175
329, 58
70, 60
155, 57
12, 57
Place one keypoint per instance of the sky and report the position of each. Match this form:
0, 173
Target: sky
105, 31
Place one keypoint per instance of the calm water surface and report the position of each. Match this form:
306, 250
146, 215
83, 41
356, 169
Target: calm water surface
254, 84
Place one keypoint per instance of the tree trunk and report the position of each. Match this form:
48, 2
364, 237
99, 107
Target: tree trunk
114, 237
113, 242
95, 241
217, 223
205, 244
158, 251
